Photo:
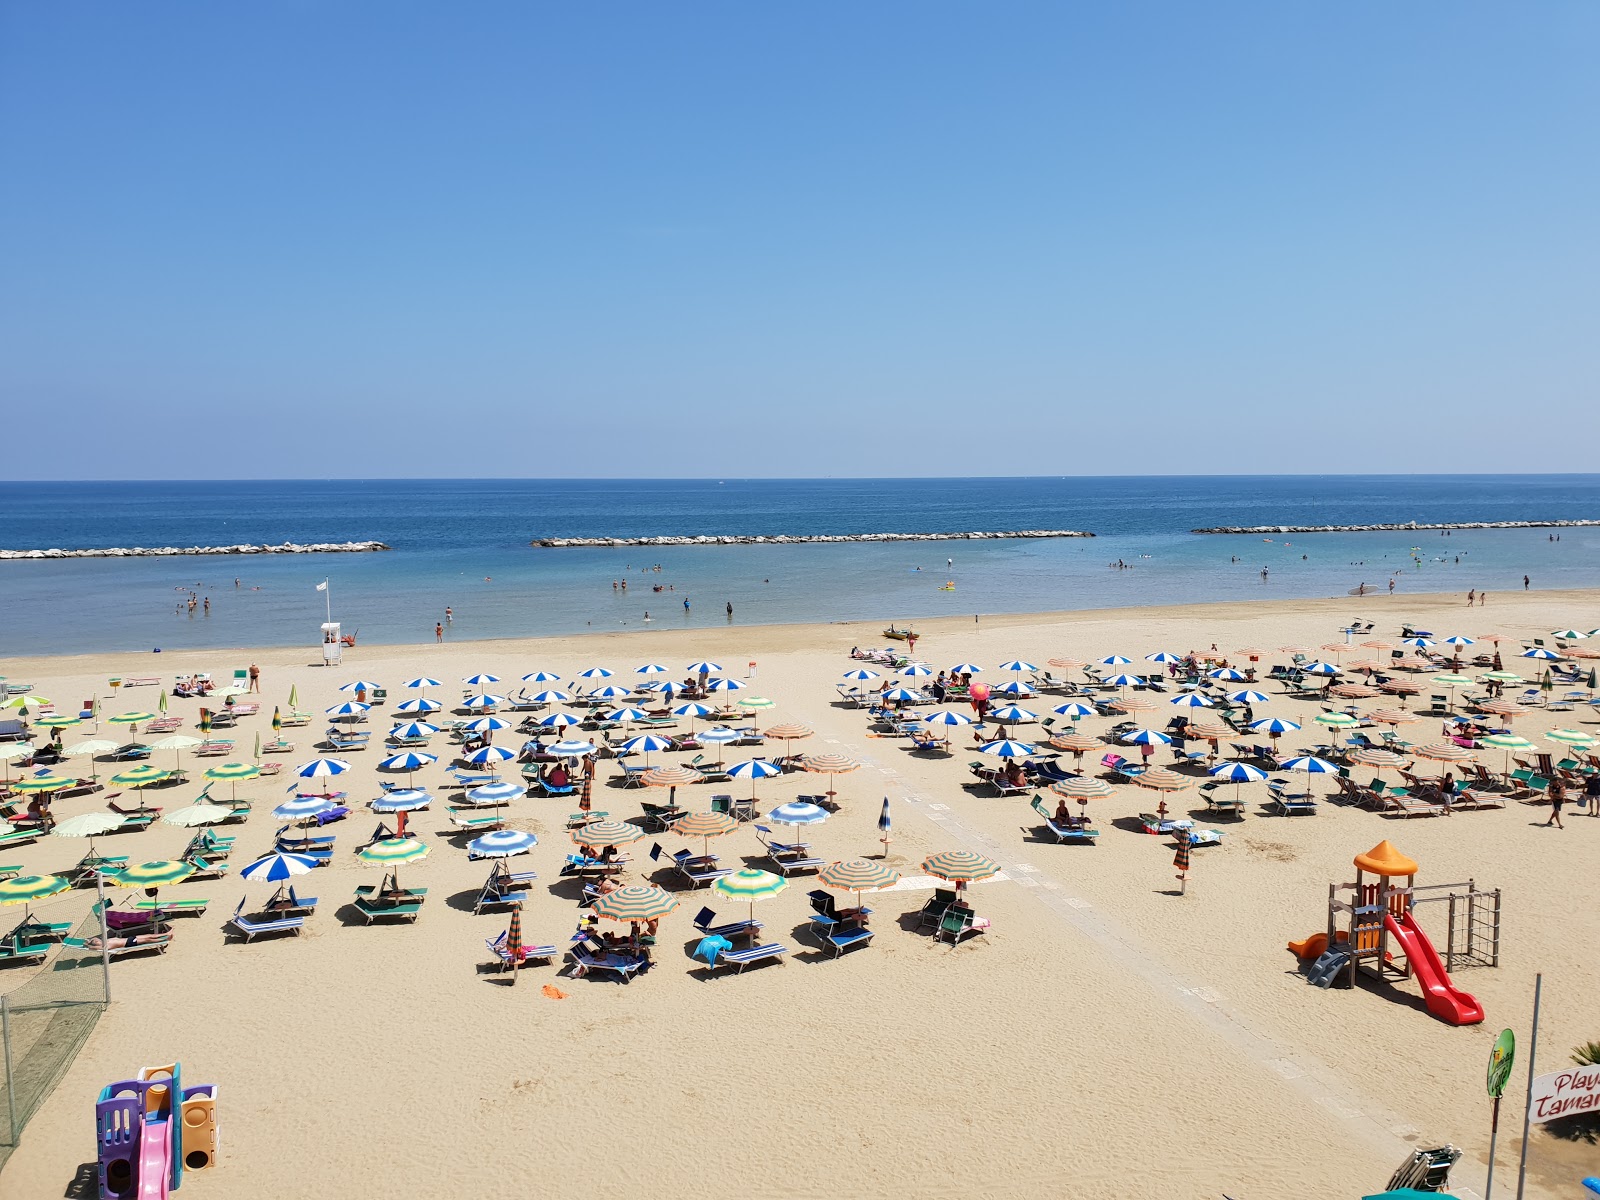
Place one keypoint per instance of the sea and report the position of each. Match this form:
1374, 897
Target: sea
466, 545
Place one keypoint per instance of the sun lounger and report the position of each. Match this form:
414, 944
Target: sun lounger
1071, 830
88, 869
130, 752
1286, 805
156, 944
30, 931
841, 936
254, 926
294, 719
407, 906
18, 837
623, 966
10, 871
214, 748
497, 947
188, 906
732, 929
788, 856
497, 891
744, 958
29, 952
477, 820
957, 922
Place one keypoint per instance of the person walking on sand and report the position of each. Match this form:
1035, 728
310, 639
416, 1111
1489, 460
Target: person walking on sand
1591, 793
255, 678
1558, 796
438, 631
1471, 597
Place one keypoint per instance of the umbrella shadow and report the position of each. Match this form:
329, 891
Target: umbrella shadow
1131, 824
567, 887
466, 901
1167, 892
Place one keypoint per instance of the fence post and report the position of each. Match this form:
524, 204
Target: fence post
1450, 935
11, 1087
105, 938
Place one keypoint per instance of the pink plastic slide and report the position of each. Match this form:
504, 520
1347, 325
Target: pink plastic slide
1445, 1001
155, 1158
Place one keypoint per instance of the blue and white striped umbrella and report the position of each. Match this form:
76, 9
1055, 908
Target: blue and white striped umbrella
900, 693
1146, 737
485, 702
1237, 772
302, 807
916, 670
487, 725
1248, 697
611, 691
322, 766
724, 685
540, 677
694, 709
552, 696
1123, 680
1075, 708
413, 729
1311, 765
650, 669
489, 755
1014, 688
1016, 664
1012, 713
1421, 643
798, 812
572, 748
1458, 640
496, 793
1161, 656
884, 822
1321, 668
421, 681
361, 685
861, 673
480, 680
1007, 749
408, 760
644, 743
502, 843
650, 685
418, 706
1191, 700
348, 709
1540, 652
596, 673
756, 768
403, 800
703, 668
559, 720
275, 868
1115, 660
945, 716
626, 714
719, 736
1274, 725
966, 669
1228, 675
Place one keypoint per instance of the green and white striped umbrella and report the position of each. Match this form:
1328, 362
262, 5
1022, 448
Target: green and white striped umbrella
141, 776
1336, 720
636, 902
56, 721
131, 718
394, 851
233, 771
26, 701
751, 885
607, 833
858, 875
1507, 742
41, 783
26, 888
158, 873
1571, 737
960, 866
756, 703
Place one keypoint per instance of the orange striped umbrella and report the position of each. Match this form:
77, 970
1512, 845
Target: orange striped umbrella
1444, 752
829, 765
1393, 716
1160, 779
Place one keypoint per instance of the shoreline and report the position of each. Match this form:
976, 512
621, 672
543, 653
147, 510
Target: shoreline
802, 539
1399, 527
194, 551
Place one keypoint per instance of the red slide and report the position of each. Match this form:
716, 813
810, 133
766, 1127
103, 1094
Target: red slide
1445, 1001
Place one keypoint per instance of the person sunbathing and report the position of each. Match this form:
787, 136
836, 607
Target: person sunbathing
118, 943
558, 776
1063, 813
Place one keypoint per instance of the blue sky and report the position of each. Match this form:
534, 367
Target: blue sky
390, 238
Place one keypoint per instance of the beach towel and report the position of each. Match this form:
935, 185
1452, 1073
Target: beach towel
711, 947
553, 992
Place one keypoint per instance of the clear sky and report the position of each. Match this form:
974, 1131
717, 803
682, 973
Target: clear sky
394, 238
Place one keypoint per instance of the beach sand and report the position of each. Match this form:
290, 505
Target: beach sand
1106, 1038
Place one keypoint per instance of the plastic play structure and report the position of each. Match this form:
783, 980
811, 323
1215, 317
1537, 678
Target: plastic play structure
150, 1129
1381, 934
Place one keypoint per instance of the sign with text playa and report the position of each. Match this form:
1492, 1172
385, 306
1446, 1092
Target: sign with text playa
1565, 1093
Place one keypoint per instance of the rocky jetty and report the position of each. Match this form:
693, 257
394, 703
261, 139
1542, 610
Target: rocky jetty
784, 539
170, 551
1404, 527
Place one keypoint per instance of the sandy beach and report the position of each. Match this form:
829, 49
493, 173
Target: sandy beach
1105, 1038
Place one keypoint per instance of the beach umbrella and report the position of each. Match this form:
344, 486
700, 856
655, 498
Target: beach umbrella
350, 708
1458, 641
1004, 748
861, 673
754, 769
718, 736
1208, 731
142, 776
1336, 720
88, 825
421, 682
483, 702
556, 696
25, 750
55, 721
885, 824
1541, 653
407, 761
1327, 670
694, 709
1353, 691
1311, 765
705, 825
703, 668
418, 706
154, 874
1075, 709
360, 685
1503, 676
789, 731
672, 777
626, 715
1077, 744
559, 720
502, 843
1068, 664
1401, 688
1248, 697
540, 677
1377, 759
403, 800
83, 749
1133, 704
303, 808
488, 756
1146, 737
1571, 737
394, 853
611, 691
614, 833
724, 685
205, 721
197, 815
756, 704
1507, 742
572, 748
1191, 700
1121, 681
1453, 682
495, 793
650, 669
1237, 773
1336, 648
487, 725
1501, 708
858, 875
1160, 779
1180, 860
1115, 660
798, 812
25, 889
829, 765
1570, 635
645, 744
419, 729
514, 951
161, 701
1392, 716
1082, 788
177, 743
966, 669
294, 696
749, 884
232, 773
1444, 752
319, 767
596, 673
1228, 675
480, 680
131, 719
41, 784
636, 903
277, 867
1016, 664
1012, 714
960, 867
1014, 688
915, 670
899, 694
666, 687
1162, 656
1420, 643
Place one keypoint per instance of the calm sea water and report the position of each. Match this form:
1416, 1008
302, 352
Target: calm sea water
464, 543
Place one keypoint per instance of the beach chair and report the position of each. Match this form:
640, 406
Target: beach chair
373, 905
130, 752
1070, 831
252, 927
957, 922
1219, 799
699, 870
25, 952
585, 959
497, 947
153, 944
477, 820
932, 911
187, 906
788, 856
704, 919
744, 958
496, 893
1286, 805
842, 936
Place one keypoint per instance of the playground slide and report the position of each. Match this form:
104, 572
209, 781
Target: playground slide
1445, 1001
155, 1160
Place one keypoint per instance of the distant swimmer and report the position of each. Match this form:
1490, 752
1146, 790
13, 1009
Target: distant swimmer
686, 604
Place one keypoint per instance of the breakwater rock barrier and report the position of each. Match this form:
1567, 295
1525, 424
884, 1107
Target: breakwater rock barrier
1403, 527
170, 551
785, 539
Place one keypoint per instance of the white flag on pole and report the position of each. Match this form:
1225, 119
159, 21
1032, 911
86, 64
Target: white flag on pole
323, 586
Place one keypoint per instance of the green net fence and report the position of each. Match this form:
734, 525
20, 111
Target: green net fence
44, 1020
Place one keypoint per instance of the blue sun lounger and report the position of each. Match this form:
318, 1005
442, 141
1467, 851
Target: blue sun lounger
744, 958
